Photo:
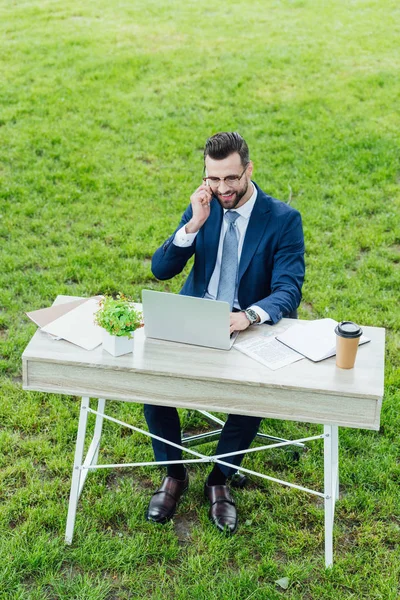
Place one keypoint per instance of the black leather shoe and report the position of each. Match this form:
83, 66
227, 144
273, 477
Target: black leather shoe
222, 508
163, 503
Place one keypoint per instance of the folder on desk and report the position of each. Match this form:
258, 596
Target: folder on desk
315, 340
71, 321
44, 316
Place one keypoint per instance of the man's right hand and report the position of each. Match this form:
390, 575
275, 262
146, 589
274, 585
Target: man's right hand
200, 201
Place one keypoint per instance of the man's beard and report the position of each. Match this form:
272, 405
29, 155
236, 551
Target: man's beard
236, 199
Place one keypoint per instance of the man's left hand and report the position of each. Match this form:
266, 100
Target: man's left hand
238, 322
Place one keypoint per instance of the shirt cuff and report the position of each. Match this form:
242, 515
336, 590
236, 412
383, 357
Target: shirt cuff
264, 316
183, 239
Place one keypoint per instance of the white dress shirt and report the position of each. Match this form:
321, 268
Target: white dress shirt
183, 240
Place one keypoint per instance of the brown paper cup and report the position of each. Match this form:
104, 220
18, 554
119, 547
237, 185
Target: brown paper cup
347, 337
346, 351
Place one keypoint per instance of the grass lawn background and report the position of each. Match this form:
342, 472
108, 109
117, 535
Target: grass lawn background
104, 111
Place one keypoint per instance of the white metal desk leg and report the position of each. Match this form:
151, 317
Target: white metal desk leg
93, 450
101, 404
330, 486
76, 472
335, 459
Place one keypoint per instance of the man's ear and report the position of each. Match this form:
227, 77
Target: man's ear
250, 169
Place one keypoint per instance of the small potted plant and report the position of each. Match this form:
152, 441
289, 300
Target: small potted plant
119, 319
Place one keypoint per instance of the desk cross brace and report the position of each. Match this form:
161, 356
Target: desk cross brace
81, 469
202, 457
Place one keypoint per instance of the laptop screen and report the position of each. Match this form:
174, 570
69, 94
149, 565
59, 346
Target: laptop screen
186, 319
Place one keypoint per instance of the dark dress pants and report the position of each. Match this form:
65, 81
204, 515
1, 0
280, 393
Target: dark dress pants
237, 434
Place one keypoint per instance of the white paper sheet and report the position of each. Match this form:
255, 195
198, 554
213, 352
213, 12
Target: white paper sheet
44, 316
265, 349
77, 326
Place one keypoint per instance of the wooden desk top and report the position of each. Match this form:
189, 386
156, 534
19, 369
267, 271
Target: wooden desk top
175, 374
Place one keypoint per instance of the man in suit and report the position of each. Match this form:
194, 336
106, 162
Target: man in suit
248, 250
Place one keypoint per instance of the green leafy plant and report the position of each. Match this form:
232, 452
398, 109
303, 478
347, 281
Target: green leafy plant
118, 315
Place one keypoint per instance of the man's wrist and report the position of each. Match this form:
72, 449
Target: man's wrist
264, 316
252, 316
183, 239
192, 226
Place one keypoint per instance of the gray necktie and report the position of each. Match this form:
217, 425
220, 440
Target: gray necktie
229, 261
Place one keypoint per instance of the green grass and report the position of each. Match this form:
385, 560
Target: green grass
104, 111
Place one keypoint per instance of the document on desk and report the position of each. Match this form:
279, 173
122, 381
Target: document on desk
265, 349
44, 316
77, 326
315, 340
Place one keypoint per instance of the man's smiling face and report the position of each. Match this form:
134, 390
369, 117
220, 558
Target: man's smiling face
230, 194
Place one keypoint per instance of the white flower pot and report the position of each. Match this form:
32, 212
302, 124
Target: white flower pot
117, 345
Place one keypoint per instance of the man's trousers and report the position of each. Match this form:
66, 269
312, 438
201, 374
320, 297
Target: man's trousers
237, 434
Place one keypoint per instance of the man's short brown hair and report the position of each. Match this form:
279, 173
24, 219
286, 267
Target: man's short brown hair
223, 144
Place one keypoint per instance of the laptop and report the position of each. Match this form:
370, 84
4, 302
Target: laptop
187, 320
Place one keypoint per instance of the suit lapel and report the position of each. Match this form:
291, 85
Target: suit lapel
258, 222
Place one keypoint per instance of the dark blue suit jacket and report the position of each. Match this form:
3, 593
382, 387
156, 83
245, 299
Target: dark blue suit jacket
271, 269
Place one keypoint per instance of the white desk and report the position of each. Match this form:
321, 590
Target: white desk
174, 374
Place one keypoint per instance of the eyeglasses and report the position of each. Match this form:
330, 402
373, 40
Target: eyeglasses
231, 180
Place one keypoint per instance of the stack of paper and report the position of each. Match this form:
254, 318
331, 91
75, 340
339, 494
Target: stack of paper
72, 321
315, 340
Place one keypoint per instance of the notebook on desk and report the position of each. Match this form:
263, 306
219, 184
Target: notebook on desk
315, 340
187, 320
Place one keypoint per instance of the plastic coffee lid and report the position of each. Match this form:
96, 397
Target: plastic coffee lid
348, 329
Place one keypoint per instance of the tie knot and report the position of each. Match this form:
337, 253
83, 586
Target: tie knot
231, 216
